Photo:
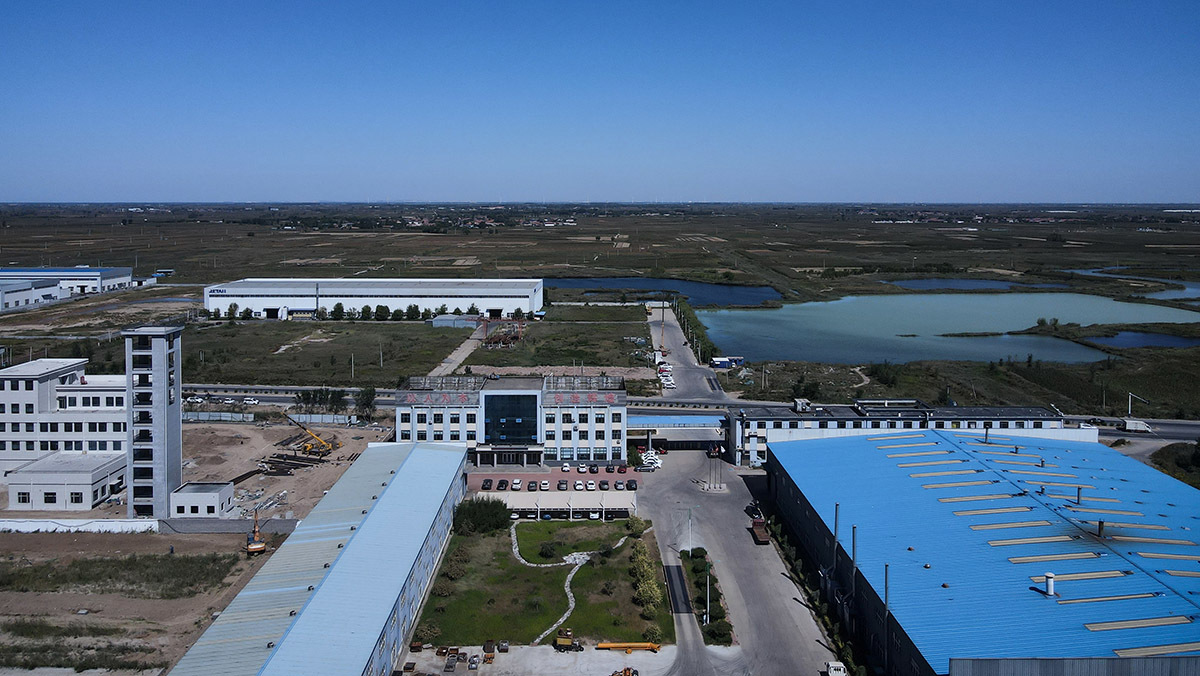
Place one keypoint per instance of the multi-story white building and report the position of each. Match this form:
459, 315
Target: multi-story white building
287, 298
67, 481
76, 280
153, 357
749, 429
517, 420
49, 405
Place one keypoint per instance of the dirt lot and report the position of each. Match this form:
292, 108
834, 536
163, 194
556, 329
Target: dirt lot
164, 626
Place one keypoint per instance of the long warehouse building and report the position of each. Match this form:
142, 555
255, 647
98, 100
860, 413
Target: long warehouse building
342, 593
272, 298
945, 553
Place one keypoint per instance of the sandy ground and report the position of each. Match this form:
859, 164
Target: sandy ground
167, 626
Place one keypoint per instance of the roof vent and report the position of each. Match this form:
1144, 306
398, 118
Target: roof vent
310, 587
341, 544
292, 613
270, 644
326, 564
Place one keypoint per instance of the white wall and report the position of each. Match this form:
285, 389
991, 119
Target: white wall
79, 525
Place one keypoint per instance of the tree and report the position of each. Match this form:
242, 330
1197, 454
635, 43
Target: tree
635, 458
458, 311
518, 314
322, 313
426, 314
364, 401
247, 314
351, 314
216, 313
337, 401
398, 315
382, 312
473, 310
480, 515
365, 312
443, 309
232, 311
412, 312
338, 314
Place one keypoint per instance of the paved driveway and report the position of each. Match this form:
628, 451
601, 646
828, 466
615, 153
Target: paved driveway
693, 381
775, 631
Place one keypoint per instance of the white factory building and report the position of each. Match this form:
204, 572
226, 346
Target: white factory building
76, 280
517, 420
203, 500
302, 298
49, 405
23, 293
67, 481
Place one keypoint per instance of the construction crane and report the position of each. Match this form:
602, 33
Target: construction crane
325, 448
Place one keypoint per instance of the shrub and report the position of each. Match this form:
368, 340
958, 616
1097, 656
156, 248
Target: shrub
719, 632
699, 552
636, 526
653, 634
427, 633
462, 555
699, 565
442, 588
454, 570
608, 588
480, 515
606, 551
548, 550
647, 593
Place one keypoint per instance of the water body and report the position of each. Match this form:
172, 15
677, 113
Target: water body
1143, 339
909, 327
932, 284
697, 293
1189, 290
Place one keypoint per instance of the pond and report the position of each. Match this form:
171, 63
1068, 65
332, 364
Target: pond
959, 284
911, 327
697, 293
1143, 339
1189, 290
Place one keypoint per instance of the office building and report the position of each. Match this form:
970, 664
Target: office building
153, 358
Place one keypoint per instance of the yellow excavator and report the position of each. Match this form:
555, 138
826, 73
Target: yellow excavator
317, 446
255, 544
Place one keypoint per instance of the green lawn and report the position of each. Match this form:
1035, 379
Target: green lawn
564, 344
492, 596
152, 576
596, 313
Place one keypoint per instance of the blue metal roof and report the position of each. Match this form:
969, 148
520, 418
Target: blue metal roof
989, 519
237, 643
683, 421
337, 631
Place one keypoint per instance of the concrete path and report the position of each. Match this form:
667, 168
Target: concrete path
460, 353
692, 380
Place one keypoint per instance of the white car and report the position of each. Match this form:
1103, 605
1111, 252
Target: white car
582, 468
516, 484
544, 485
578, 485
619, 485
591, 485
594, 516
835, 669
228, 400
195, 400
566, 467
250, 401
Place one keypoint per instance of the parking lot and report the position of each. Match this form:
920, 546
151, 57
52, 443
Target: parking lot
598, 492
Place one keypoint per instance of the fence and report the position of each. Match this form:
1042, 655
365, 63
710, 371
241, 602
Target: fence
325, 419
79, 525
217, 416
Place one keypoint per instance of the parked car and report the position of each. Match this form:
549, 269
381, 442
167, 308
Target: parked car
582, 468
544, 485
502, 485
563, 485
622, 469
591, 485
609, 469
619, 485
516, 484
594, 468
578, 485
228, 400
250, 401
195, 400
631, 484
533, 486
566, 467
604, 484
514, 516
486, 485
594, 516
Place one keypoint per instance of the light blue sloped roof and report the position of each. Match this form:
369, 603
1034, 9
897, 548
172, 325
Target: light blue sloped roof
674, 421
236, 644
338, 629
917, 498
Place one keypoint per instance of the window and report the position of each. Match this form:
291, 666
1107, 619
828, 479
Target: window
616, 434
405, 435
421, 418
437, 435
3, 426
14, 408
29, 408
28, 445
551, 435
120, 402
599, 435
71, 402
470, 435
109, 402
793, 424
50, 498
470, 418
437, 419
28, 385
568, 418
76, 498
420, 435
212, 509
195, 509
616, 417
566, 435
3, 444
549, 418
143, 473
179, 509
45, 427
583, 435
62, 402
583, 417
405, 417
454, 435
1037, 424
600, 417
143, 492
454, 418
23, 498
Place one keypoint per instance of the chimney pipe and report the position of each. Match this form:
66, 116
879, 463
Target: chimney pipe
1100, 529
1049, 584
1079, 495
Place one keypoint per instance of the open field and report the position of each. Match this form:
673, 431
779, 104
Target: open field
144, 606
563, 344
482, 592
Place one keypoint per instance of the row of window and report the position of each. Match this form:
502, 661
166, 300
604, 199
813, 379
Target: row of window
56, 445
569, 418
582, 435
438, 435
210, 509
15, 385
91, 402
900, 424
555, 454
440, 418
49, 427
50, 497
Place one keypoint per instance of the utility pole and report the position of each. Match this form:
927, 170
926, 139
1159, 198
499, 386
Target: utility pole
1129, 409
707, 590
351, 366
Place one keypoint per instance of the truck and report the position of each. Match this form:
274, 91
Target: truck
565, 641
758, 528
1131, 425
720, 362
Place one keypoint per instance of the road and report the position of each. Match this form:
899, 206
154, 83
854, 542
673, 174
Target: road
695, 382
775, 631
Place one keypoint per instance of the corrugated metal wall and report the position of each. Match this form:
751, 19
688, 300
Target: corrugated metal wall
1085, 666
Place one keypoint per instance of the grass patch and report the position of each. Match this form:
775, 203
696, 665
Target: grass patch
317, 353
563, 344
152, 576
596, 313
38, 628
580, 536
30, 655
718, 631
604, 607
1180, 460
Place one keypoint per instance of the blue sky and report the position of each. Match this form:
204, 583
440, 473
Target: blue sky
906, 100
